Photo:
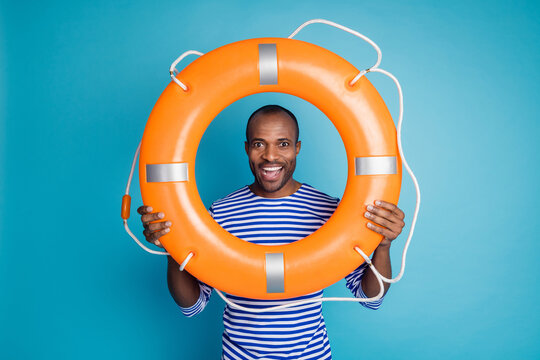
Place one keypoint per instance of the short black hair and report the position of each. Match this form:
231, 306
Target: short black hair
272, 109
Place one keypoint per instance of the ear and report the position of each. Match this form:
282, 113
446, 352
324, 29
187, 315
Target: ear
246, 145
298, 146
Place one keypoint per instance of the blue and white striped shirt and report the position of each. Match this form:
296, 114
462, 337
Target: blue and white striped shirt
298, 332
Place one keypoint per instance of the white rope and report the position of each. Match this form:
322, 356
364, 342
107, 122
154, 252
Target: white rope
173, 71
133, 167
411, 174
400, 122
350, 31
126, 226
140, 243
379, 277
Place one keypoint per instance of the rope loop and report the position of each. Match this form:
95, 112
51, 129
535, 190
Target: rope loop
350, 31
173, 71
186, 260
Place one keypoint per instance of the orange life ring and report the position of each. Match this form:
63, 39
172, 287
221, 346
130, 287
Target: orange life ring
179, 120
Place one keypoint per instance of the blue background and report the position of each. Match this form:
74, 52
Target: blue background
79, 79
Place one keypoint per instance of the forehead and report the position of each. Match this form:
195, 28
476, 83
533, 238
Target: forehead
279, 125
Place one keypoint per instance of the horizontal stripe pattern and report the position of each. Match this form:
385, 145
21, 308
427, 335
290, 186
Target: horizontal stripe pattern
298, 332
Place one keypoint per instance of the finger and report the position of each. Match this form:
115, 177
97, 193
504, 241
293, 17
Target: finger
148, 236
381, 230
144, 209
388, 206
380, 212
399, 213
156, 235
391, 207
379, 220
159, 225
152, 217
389, 211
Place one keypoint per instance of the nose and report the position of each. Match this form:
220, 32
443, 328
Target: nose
270, 153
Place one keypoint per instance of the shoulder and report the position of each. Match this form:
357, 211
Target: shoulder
308, 192
238, 195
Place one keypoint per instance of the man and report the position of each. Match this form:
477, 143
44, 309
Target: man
275, 210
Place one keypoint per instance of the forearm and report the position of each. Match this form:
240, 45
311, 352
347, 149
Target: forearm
183, 286
381, 261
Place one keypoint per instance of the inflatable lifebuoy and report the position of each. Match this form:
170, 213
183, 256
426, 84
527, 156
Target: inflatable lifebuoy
179, 120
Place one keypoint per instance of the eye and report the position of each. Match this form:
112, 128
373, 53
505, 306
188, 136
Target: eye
284, 144
257, 144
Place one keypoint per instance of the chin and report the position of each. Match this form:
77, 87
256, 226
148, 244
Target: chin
271, 187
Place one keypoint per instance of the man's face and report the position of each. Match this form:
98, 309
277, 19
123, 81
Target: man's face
272, 152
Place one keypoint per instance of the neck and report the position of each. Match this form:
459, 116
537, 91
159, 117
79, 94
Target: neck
288, 189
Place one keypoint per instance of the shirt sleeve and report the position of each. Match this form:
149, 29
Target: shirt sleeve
202, 301
354, 284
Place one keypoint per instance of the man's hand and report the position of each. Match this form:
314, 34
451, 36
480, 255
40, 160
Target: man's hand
153, 230
389, 218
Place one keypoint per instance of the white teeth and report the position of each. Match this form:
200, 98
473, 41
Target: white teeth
272, 168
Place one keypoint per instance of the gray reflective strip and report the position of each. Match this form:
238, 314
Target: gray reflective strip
275, 273
267, 64
166, 172
376, 165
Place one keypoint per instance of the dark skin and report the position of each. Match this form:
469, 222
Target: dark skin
272, 150
271, 145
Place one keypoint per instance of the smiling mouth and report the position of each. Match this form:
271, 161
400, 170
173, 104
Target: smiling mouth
271, 173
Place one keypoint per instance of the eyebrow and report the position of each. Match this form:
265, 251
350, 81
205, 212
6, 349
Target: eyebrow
257, 139
263, 140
